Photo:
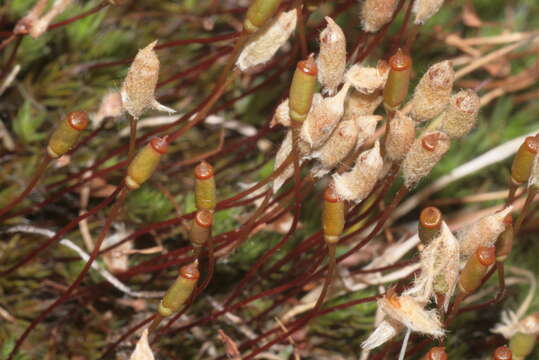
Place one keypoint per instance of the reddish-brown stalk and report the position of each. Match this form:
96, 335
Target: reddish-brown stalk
65, 296
82, 15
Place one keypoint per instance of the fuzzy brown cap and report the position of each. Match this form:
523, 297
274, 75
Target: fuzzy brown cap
400, 138
424, 154
377, 13
433, 92
332, 58
461, 114
356, 184
425, 9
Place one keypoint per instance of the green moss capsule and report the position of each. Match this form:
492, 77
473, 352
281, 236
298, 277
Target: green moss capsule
180, 291
430, 222
145, 163
398, 80
67, 133
205, 197
523, 161
302, 89
522, 345
502, 353
436, 353
476, 268
201, 228
332, 216
259, 13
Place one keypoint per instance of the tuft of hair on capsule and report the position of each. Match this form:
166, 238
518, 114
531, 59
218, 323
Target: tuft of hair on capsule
375, 14
357, 183
67, 133
384, 332
258, 14
502, 353
436, 353
396, 88
461, 114
400, 137
138, 88
476, 268
484, 232
424, 154
411, 313
368, 80
323, 118
265, 43
180, 291
504, 244
282, 115
201, 228
333, 215
425, 9
145, 162
205, 192
358, 104
429, 225
302, 89
331, 59
341, 142
440, 265
524, 159
433, 91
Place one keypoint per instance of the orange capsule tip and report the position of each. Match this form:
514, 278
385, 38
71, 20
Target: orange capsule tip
486, 255
430, 218
160, 145
532, 144
400, 61
190, 271
330, 195
204, 218
203, 171
503, 353
78, 120
308, 66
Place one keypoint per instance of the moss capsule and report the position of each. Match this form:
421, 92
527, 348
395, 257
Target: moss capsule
332, 216
476, 268
430, 222
180, 291
145, 162
201, 228
396, 88
522, 345
302, 89
523, 161
67, 133
259, 12
205, 187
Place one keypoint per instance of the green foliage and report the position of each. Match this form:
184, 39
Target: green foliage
28, 122
147, 205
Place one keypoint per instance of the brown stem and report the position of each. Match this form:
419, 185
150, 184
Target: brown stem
111, 217
532, 191
301, 29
